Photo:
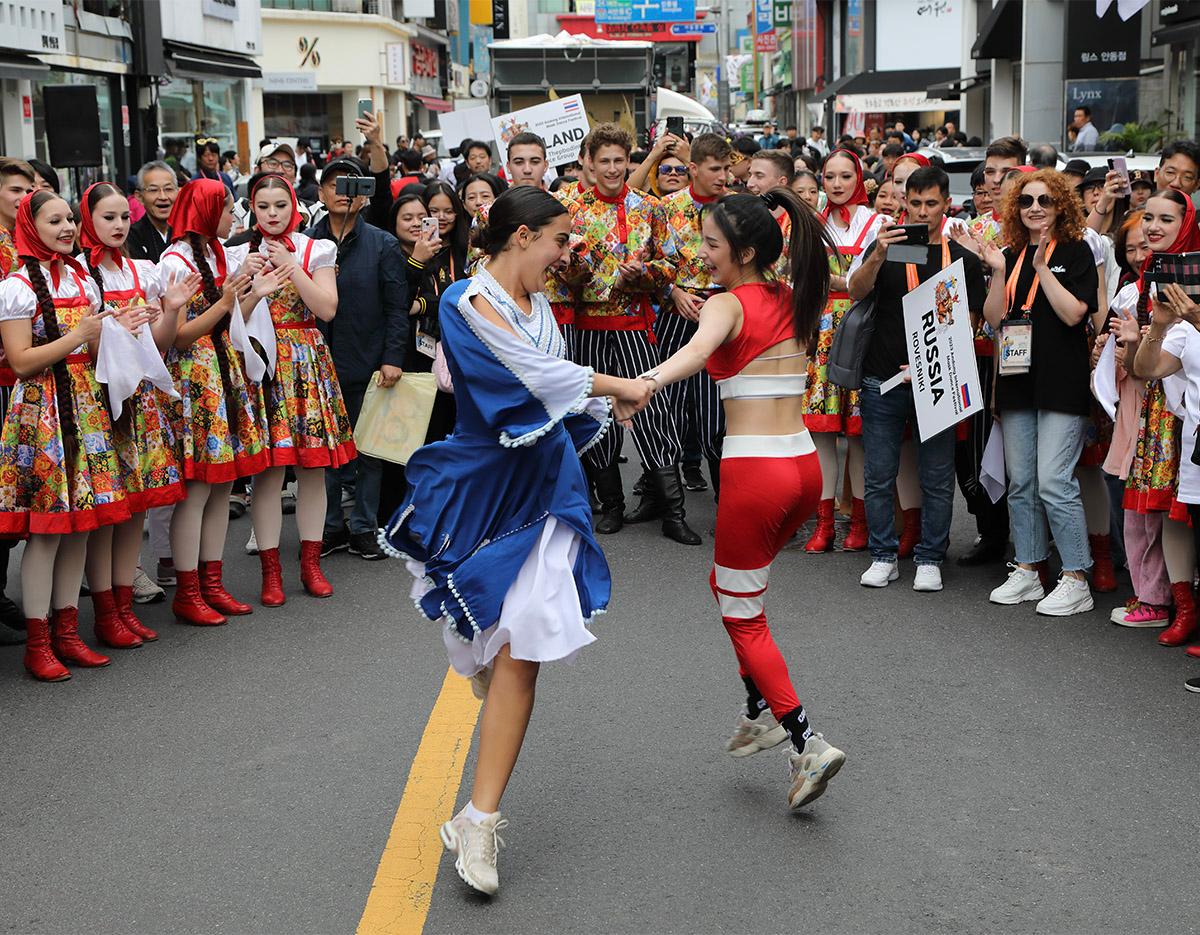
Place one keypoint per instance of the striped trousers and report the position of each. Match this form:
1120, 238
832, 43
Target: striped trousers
629, 354
694, 402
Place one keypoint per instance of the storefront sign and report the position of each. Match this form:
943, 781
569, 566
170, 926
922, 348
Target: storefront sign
941, 352
765, 39
425, 70
562, 124
309, 56
645, 11
1101, 46
221, 9
897, 103
932, 26
290, 81
418, 9
1112, 101
781, 13
500, 19
397, 62
1178, 11
643, 32
27, 108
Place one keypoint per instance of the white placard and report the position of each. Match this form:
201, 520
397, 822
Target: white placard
562, 124
397, 62
470, 123
941, 351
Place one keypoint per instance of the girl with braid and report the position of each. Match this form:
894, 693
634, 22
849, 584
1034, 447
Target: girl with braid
306, 424
143, 435
60, 477
219, 434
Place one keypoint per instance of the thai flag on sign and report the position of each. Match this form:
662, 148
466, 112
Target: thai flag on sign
966, 397
571, 105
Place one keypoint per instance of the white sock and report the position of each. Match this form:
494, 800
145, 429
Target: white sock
474, 815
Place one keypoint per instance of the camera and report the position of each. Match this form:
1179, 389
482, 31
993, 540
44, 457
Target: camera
353, 186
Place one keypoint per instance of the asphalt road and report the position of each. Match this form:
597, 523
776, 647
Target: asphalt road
1005, 773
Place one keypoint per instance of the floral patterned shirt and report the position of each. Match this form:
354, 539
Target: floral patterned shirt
680, 238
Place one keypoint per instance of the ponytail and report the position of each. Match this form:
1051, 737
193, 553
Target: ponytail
212, 295
808, 262
63, 391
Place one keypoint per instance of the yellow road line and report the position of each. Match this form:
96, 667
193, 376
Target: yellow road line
400, 896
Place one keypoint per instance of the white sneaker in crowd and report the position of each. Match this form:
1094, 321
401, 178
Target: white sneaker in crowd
812, 769
1023, 584
752, 735
879, 575
252, 544
475, 847
146, 591
1070, 596
928, 578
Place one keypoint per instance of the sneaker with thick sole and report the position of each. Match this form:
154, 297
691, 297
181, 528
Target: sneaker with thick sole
366, 546
146, 591
1070, 596
879, 575
475, 848
336, 541
1120, 613
1143, 617
928, 578
812, 769
1023, 584
752, 735
252, 544
164, 574
1192, 685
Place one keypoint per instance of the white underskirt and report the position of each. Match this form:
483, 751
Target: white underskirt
540, 620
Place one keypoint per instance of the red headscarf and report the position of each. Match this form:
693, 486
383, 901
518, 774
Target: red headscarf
90, 240
197, 210
1186, 241
857, 197
919, 158
29, 243
294, 223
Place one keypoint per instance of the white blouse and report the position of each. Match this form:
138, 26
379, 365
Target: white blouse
1183, 341
177, 261
323, 255
18, 300
121, 280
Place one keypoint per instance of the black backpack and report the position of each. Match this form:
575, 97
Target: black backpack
850, 343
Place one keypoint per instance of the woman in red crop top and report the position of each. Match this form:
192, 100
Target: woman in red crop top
753, 339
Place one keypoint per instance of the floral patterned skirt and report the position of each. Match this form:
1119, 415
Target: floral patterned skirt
213, 447
828, 407
301, 408
148, 452
1150, 487
44, 491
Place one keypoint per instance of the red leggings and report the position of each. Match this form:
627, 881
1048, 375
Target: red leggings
769, 486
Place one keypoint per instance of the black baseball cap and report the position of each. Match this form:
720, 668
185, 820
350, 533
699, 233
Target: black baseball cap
1095, 176
1077, 167
345, 165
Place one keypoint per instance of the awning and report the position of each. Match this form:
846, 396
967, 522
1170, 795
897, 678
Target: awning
887, 82
22, 67
434, 103
194, 59
891, 102
1000, 34
950, 90
1180, 33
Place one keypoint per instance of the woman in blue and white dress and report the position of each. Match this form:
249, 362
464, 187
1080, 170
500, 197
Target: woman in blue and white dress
496, 525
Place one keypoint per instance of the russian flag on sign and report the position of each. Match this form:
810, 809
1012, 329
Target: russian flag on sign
966, 396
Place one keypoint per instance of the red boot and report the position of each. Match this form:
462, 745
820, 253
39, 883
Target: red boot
311, 576
822, 538
124, 597
856, 538
1104, 576
215, 595
911, 534
110, 629
272, 575
64, 639
188, 605
1185, 616
40, 661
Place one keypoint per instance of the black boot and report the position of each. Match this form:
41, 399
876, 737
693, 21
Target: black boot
693, 479
612, 499
649, 508
669, 488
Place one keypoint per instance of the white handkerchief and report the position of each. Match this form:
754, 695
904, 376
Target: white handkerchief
1104, 380
259, 327
992, 473
118, 363
153, 368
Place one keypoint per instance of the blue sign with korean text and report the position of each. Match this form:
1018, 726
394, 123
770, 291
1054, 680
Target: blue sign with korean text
762, 13
645, 11
693, 29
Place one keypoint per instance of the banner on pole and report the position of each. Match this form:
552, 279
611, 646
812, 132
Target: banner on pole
562, 124
941, 352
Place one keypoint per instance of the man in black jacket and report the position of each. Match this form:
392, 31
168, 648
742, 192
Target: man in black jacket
368, 334
157, 189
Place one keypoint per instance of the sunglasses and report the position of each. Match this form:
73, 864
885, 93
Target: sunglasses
672, 170
1026, 201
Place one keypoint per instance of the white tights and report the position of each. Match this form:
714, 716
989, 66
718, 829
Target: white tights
826, 443
1094, 493
51, 572
113, 552
267, 514
199, 523
1179, 551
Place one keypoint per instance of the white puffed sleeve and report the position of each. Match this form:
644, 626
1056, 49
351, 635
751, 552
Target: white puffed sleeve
150, 278
234, 258
323, 255
92, 293
17, 299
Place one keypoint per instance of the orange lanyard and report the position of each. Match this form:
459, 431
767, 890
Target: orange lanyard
1010, 287
910, 269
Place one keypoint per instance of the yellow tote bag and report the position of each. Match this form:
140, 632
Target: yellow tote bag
393, 421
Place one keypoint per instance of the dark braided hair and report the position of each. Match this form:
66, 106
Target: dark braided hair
212, 295
63, 391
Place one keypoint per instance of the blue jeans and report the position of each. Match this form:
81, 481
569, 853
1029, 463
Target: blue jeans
1041, 450
364, 473
883, 420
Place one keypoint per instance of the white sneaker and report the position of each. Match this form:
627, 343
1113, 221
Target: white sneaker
475, 847
812, 769
879, 575
251, 544
928, 578
1023, 584
1071, 596
751, 736
145, 591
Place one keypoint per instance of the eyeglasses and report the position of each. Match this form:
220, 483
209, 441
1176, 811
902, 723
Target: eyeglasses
1044, 201
271, 163
155, 190
672, 170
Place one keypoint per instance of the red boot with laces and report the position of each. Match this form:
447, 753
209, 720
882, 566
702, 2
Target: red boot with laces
189, 606
822, 538
911, 534
272, 578
40, 661
856, 538
1185, 615
215, 595
124, 597
109, 628
65, 641
311, 576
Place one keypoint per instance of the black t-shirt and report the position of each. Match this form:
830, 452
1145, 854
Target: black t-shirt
888, 350
1059, 373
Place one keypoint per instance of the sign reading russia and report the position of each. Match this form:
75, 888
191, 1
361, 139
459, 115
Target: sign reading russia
645, 11
562, 124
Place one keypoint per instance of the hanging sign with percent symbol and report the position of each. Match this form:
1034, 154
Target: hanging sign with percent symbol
308, 52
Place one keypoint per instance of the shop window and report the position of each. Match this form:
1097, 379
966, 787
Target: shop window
188, 110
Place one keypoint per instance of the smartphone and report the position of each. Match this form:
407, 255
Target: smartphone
429, 227
915, 249
915, 233
1118, 164
365, 106
352, 186
675, 126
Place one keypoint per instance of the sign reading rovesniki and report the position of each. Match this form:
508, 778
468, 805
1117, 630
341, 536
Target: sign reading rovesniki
562, 124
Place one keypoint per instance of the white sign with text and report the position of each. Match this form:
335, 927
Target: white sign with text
562, 124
